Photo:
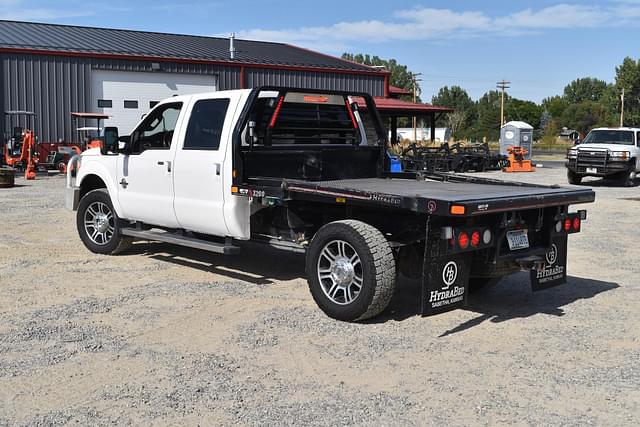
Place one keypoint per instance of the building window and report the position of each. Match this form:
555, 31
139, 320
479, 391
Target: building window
152, 104
131, 104
105, 103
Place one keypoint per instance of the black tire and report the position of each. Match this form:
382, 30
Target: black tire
477, 283
573, 178
626, 179
376, 267
110, 241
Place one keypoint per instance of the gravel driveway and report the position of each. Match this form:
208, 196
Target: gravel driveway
170, 336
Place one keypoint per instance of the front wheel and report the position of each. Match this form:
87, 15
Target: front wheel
574, 178
351, 270
627, 179
98, 225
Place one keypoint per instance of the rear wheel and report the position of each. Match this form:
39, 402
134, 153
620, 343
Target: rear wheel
351, 270
574, 178
98, 224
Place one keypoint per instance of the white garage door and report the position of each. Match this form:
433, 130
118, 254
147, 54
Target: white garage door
126, 96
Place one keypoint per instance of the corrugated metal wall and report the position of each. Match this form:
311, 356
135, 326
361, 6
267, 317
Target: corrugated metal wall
50, 86
54, 86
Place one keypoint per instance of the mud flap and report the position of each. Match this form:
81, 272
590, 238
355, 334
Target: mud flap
554, 270
444, 284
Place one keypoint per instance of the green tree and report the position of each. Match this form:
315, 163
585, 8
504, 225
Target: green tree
400, 74
585, 116
487, 124
464, 110
628, 78
555, 106
526, 111
585, 89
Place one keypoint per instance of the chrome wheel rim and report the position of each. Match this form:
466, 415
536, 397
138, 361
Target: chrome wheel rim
99, 223
340, 272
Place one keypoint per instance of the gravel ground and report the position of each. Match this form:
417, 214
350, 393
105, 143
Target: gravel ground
169, 336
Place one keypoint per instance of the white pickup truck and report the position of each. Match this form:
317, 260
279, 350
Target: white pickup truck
608, 153
307, 171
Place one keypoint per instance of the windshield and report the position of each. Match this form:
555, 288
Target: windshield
624, 137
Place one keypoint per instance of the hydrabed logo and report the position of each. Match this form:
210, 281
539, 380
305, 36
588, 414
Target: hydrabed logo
445, 295
550, 271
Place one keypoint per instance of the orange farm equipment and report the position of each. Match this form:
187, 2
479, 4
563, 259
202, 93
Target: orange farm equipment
517, 161
89, 136
19, 145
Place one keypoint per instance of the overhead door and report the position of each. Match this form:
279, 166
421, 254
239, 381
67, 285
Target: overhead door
127, 96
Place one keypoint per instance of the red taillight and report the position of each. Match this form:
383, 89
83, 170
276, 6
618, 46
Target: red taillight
463, 240
276, 112
567, 225
576, 224
475, 238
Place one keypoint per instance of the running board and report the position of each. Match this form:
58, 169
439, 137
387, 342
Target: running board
181, 240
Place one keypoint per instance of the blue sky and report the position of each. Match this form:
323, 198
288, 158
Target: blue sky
539, 46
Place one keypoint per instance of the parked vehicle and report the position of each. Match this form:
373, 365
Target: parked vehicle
610, 153
304, 170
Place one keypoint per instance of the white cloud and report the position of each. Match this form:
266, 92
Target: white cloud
422, 23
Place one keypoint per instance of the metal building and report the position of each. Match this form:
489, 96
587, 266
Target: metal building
54, 70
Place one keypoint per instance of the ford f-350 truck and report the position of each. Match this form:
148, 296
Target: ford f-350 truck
307, 171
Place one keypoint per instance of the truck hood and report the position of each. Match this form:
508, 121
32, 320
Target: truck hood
610, 147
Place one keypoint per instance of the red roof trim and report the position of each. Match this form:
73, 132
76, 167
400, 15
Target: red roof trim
399, 90
397, 105
96, 55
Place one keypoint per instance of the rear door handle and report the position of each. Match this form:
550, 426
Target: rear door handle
218, 169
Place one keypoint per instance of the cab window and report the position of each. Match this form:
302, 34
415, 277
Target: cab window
205, 124
156, 130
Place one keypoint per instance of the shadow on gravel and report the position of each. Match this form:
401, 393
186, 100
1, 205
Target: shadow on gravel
511, 298
254, 264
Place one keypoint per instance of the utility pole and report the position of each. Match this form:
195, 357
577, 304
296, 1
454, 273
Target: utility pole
415, 98
502, 85
622, 108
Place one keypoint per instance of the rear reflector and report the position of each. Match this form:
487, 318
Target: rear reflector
351, 116
567, 225
276, 112
457, 210
576, 224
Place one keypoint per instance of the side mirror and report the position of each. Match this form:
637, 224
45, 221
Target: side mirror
110, 139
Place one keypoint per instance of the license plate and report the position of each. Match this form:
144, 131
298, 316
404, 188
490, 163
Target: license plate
592, 170
518, 239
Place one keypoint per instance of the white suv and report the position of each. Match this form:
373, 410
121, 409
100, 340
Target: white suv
608, 153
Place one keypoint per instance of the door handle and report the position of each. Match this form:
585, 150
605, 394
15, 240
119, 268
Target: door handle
160, 163
218, 169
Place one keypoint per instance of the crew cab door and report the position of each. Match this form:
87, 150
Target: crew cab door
202, 174
145, 173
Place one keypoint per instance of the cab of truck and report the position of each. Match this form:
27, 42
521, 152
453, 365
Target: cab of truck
610, 153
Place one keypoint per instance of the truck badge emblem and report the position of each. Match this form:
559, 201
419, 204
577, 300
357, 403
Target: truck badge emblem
431, 206
449, 274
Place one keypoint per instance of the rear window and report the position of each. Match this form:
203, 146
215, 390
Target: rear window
299, 118
609, 136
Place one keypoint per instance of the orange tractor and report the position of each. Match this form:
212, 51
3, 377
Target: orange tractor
90, 136
19, 147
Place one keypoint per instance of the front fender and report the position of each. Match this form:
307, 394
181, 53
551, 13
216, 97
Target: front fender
106, 169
